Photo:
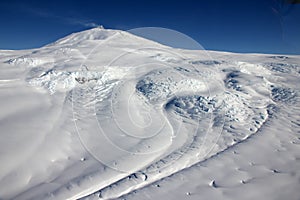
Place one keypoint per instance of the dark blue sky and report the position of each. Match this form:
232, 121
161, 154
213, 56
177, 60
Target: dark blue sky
263, 26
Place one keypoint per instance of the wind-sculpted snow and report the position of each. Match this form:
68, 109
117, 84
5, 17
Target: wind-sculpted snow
127, 112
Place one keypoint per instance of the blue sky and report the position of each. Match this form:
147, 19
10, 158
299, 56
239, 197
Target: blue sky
262, 26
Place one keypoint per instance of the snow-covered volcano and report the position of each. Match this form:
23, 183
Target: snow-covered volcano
104, 114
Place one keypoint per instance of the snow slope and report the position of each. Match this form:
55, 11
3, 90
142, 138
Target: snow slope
104, 114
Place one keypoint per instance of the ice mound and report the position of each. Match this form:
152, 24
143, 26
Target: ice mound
232, 82
54, 80
279, 57
163, 84
28, 61
282, 94
191, 106
281, 67
206, 62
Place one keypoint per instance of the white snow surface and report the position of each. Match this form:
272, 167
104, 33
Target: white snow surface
104, 114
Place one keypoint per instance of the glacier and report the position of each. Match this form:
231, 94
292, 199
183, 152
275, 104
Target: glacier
105, 114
